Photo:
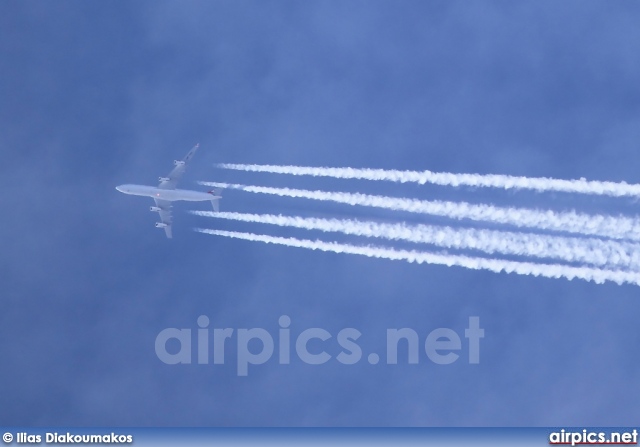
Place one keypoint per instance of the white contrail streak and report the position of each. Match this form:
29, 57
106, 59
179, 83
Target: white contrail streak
494, 265
539, 184
598, 225
588, 251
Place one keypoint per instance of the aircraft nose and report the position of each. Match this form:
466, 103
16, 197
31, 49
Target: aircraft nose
119, 188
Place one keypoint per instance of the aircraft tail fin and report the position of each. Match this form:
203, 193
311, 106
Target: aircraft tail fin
215, 200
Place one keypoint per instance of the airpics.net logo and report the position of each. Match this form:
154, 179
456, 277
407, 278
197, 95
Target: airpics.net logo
256, 346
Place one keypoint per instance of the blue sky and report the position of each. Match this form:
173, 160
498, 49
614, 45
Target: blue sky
96, 94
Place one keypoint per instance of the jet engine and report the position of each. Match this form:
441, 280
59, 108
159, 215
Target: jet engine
163, 179
161, 225
178, 162
155, 209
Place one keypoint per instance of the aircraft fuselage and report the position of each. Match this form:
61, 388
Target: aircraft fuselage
166, 194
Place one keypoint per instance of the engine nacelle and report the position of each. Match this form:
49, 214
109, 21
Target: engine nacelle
163, 179
155, 209
178, 162
161, 225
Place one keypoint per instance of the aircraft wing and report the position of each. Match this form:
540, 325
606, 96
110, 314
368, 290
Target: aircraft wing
171, 180
164, 210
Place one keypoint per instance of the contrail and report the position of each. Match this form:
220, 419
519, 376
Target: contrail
597, 225
494, 265
540, 184
588, 251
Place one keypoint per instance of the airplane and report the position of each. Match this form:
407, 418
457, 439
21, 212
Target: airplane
166, 192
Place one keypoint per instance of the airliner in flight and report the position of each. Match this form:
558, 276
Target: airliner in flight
166, 192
